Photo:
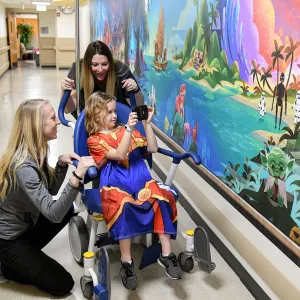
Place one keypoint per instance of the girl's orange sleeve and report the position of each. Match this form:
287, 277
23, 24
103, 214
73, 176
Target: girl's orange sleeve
98, 148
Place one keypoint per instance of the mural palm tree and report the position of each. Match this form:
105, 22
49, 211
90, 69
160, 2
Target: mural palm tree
295, 85
141, 31
256, 71
264, 77
196, 3
277, 55
127, 28
291, 137
206, 37
214, 13
290, 50
245, 88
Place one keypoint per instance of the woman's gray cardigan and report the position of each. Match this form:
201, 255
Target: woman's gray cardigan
20, 210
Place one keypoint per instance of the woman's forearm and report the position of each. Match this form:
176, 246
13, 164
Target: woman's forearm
71, 104
139, 98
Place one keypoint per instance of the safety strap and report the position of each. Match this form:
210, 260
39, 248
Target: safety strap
132, 99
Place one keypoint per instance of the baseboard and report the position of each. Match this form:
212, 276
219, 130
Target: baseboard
3, 69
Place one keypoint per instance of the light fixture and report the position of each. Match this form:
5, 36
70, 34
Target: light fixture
23, 5
41, 8
40, 3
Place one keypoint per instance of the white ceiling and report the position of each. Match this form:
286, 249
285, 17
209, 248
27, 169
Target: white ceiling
27, 3
19, 2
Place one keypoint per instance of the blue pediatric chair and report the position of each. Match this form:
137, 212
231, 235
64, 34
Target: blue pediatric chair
83, 235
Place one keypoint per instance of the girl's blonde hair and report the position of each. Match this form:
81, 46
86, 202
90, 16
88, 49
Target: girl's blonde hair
86, 78
95, 111
26, 140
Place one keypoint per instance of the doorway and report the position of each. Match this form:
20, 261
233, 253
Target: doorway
27, 39
12, 40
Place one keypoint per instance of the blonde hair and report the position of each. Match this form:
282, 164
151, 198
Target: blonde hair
87, 79
95, 111
26, 140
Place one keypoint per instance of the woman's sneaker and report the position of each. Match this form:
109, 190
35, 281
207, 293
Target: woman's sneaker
171, 264
128, 277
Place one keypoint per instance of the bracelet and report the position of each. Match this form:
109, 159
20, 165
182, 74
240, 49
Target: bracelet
75, 175
128, 129
137, 90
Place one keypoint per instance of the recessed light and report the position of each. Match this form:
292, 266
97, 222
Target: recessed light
40, 3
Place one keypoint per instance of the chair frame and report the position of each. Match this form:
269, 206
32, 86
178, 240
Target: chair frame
90, 284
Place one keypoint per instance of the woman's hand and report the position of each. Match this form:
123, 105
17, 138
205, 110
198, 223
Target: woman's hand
150, 115
84, 163
67, 84
132, 120
66, 159
130, 85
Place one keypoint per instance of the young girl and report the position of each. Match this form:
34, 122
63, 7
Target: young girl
133, 203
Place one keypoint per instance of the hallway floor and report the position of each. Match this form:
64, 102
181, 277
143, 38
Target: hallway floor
34, 82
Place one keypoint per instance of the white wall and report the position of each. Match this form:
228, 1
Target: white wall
65, 25
3, 31
47, 19
85, 27
26, 16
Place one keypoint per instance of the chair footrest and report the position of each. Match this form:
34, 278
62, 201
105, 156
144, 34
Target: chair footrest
103, 240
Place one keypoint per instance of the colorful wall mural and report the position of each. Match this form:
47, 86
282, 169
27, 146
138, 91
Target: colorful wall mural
224, 77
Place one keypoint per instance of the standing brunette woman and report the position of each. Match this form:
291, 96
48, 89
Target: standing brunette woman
100, 72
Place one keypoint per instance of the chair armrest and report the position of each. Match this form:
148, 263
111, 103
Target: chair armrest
61, 108
177, 157
91, 173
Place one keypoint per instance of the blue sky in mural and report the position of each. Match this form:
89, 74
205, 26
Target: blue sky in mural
178, 14
177, 26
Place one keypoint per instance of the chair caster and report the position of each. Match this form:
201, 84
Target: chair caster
86, 284
186, 262
78, 238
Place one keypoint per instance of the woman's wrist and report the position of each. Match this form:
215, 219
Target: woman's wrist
75, 174
74, 181
61, 163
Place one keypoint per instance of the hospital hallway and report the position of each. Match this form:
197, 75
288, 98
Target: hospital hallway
34, 82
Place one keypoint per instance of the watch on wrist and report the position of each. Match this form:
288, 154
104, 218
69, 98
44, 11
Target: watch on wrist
127, 128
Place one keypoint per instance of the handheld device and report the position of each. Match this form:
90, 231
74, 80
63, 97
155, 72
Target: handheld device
142, 112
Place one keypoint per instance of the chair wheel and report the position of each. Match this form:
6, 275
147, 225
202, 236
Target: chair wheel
185, 263
86, 288
212, 266
78, 238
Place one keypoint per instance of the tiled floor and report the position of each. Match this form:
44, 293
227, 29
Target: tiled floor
223, 283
